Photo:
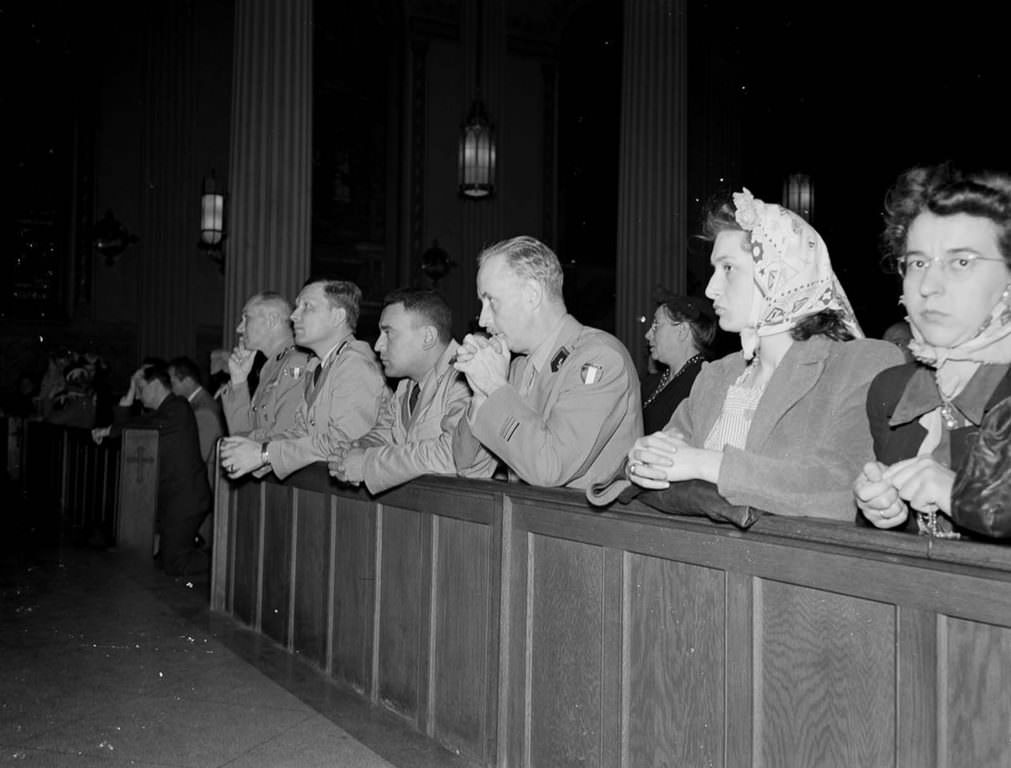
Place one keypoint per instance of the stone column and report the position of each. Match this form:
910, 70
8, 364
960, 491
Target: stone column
268, 198
652, 231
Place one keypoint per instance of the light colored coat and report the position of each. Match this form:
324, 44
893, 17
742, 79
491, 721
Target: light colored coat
403, 446
272, 408
579, 418
809, 437
343, 406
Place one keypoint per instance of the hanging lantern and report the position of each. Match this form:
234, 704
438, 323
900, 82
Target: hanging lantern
477, 154
212, 214
798, 195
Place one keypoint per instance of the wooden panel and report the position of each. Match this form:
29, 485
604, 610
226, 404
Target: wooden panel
826, 676
463, 651
916, 689
138, 491
312, 576
739, 670
675, 646
565, 635
403, 618
978, 696
276, 582
354, 585
248, 520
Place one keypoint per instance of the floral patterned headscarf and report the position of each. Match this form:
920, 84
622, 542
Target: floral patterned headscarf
793, 275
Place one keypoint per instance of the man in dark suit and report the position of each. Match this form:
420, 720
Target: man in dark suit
184, 497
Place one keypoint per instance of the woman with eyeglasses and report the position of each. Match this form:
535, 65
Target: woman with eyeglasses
780, 426
949, 235
680, 339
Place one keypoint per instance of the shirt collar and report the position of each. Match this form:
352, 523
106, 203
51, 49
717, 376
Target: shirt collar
194, 393
921, 396
539, 357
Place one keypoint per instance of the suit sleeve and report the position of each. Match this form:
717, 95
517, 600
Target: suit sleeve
815, 477
209, 430
235, 404
355, 396
552, 449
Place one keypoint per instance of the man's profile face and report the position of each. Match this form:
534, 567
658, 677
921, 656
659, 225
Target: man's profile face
314, 318
504, 310
254, 326
178, 387
400, 342
149, 392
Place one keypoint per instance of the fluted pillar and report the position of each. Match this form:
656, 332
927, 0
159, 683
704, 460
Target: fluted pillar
269, 197
652, 231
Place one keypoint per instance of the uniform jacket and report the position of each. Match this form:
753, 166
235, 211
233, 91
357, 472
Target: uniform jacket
580, 417
809, 437
342, 406
403, 446
277, 397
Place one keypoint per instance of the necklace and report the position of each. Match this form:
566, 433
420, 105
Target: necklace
668, 377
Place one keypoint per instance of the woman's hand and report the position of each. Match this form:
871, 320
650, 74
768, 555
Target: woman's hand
923, 483
877, 498
657, 460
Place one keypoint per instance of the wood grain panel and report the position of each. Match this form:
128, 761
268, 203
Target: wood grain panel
827, 679
565, 653
978, 721
463, 654
312, 576
739, 670
916, 689
247, 520
675, 636
403, 623
354, 584
276, 584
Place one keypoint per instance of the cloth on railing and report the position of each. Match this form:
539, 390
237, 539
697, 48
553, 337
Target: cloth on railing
695, 498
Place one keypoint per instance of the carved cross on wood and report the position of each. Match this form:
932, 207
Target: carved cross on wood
140, 459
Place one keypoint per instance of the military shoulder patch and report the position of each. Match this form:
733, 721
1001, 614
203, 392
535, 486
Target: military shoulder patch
590, 373
560, 357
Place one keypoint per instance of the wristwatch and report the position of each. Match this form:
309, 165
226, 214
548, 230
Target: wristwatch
264, 454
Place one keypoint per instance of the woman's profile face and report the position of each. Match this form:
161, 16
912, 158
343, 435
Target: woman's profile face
732, 286
954, 276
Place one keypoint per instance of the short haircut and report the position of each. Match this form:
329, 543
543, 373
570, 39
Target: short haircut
945, 190
272, 300
699, 315
429, 305
341, 294
156, 369
529, 259
185, 368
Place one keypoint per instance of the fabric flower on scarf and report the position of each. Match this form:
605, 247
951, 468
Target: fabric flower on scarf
793, 274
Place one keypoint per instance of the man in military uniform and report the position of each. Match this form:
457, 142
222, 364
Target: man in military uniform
567, 407
414, 435
265, 327
344, 387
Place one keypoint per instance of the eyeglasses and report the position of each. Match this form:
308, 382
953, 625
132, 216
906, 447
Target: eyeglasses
957, 266
656, 324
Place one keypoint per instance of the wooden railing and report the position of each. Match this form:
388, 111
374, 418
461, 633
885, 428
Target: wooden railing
520, 627
76, 488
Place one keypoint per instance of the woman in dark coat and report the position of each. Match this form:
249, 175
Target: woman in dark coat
949, 236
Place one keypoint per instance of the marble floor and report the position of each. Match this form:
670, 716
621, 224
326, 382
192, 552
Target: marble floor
108, 662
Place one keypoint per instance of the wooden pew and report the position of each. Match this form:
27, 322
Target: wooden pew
77, 487
521, 627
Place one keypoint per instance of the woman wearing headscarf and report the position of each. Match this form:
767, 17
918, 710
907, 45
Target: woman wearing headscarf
949, 236
781, 425
680, 340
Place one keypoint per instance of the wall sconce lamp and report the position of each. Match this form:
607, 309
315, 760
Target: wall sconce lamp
212, 221
477, 136
111, 238
798, 195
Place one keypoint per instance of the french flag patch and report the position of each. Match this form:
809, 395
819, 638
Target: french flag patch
590, 373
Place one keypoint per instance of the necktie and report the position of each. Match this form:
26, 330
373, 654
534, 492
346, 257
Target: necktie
316, 374
412, 399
